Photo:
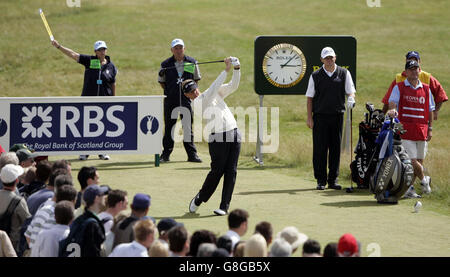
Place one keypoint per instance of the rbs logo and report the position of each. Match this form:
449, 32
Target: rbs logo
89, 126
92, 121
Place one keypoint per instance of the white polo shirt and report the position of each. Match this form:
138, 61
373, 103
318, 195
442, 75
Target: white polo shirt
132, 249
235, 238
349, 86
214, 109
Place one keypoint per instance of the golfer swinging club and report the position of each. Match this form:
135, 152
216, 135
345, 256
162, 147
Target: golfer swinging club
224, 141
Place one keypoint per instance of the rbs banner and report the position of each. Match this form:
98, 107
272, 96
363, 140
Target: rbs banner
81, 125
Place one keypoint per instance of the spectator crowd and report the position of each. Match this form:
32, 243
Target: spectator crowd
43, 215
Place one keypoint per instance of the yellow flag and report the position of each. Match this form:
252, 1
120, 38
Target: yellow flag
46, 24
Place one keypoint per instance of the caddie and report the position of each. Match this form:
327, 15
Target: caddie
412, 101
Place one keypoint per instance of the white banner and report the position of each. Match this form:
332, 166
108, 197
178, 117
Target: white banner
83, 125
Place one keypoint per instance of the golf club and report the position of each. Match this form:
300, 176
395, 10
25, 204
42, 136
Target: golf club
163, 70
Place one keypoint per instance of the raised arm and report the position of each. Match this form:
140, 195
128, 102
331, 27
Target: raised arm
230, 87
68, 52
217, 84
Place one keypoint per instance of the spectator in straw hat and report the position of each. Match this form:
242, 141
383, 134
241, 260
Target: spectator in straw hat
293, 236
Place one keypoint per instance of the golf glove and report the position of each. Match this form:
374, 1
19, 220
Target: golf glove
351, 102
235, 61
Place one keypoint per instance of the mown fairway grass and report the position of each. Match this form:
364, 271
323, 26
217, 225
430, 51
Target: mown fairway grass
138, 34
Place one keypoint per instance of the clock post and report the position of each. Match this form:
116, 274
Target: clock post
283, 64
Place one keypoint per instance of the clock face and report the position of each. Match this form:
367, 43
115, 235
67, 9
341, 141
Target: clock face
284, 65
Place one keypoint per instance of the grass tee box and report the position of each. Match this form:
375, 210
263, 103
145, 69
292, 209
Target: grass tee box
82, 126
283, 64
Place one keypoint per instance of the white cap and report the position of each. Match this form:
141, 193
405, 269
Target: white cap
177, 41
99, 44
326, 52
10, 173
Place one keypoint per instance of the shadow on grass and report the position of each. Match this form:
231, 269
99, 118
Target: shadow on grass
239, 168
333, 192
118, 165
353, 204
187, 216
287, 191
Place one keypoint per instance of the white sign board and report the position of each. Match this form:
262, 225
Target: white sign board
83, 125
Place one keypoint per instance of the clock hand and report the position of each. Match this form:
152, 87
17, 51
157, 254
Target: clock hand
283, 65
291, 65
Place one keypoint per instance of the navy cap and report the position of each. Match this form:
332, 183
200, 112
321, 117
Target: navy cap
25, 154
412, 54
93, 191
166, 224
141, 201
189, 86
411, 64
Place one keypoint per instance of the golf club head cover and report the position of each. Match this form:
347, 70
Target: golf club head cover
235, 61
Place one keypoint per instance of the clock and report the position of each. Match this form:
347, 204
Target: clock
284, 65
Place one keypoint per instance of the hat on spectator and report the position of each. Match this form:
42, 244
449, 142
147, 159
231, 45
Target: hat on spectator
411, 64
99, 44
280, 248
412, 54
293, 236
177, 41
18, 146
141, 201
347, 245
327, 52
93, 191
166, 224
24, 154
10, 173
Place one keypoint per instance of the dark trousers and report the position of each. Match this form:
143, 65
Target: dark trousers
188, 134
327, 135
224, 159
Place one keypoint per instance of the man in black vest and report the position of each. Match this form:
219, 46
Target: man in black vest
326, 93
171, 75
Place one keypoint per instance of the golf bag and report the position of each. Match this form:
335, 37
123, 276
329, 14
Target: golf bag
366, 150
394, 172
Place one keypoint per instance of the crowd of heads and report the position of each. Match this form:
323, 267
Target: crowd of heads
165, 238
